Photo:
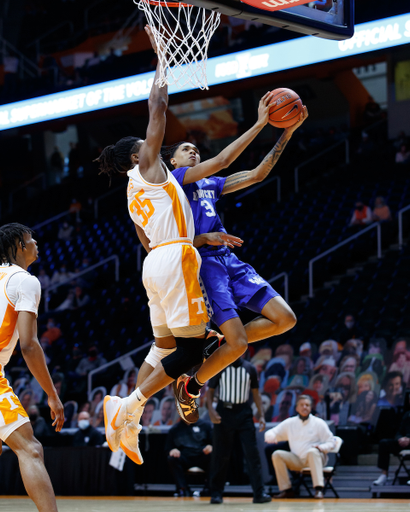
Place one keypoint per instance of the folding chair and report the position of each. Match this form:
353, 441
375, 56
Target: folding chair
403, 456
328, 471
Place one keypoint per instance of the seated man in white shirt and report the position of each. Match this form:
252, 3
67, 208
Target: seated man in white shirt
309, 439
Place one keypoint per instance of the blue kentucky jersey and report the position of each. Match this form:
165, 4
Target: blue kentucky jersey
202, 196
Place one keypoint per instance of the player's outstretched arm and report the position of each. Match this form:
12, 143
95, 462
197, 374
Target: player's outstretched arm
244, 179
231, 152
157, 105
34, 356
217, 238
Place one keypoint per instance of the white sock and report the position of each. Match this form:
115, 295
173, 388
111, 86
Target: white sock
135, 401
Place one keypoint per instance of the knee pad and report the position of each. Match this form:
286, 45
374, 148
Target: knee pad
156, 354
187, 355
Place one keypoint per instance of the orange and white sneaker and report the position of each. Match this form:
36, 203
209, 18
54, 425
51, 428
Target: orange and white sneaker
130, 442
112, 406
186, 405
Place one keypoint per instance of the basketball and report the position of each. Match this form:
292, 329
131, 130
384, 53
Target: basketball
287, 110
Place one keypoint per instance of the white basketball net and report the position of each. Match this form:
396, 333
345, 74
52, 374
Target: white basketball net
182, 34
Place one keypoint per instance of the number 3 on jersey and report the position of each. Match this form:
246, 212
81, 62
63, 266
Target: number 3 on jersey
143, 209
208, 206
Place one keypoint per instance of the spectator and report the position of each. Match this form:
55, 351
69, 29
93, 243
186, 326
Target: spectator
330, 348
59, 383
127, 385
305, 350
403, 155
377, 346
98, 416
366, 382
350, 330
346, 385
392, 390
52, 333
86, 434
27, 399
188, 446
44, 278
364, 409
301, 367
362, 215
75, 207
319, 383
65, 232
309, 440
80, 298
167, 411
401, 363
96, 397
146, 418
61, 275
349, 363
366, 147
394, 446
326, 365
233, 415
381, 211
374, 363
38, 423
91, 362
284, 406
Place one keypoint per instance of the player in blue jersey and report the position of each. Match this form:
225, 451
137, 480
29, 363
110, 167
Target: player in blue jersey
230, 284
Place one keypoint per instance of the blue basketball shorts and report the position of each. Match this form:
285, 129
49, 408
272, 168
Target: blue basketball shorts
231, 285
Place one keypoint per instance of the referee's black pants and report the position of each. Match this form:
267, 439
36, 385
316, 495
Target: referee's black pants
239, 420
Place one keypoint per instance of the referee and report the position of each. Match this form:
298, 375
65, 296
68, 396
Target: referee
234, 414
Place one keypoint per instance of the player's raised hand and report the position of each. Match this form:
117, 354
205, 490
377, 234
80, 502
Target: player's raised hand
57, 412
148, 30
220, 238
302, 118
263, 109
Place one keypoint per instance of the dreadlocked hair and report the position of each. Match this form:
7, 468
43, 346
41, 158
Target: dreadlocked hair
117, 158
11, 235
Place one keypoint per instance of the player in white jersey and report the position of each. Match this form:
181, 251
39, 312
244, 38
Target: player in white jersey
20, 294
164, 222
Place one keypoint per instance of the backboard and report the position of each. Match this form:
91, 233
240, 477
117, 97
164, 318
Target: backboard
330, 19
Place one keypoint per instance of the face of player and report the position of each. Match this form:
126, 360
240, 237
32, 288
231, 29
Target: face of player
187, 155
30, 252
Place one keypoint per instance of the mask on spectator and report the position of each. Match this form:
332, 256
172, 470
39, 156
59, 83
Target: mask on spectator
83, 424
349, 324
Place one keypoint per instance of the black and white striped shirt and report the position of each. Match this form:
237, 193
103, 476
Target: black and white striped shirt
235, 382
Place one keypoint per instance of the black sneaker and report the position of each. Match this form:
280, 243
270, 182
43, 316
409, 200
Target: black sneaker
216, 500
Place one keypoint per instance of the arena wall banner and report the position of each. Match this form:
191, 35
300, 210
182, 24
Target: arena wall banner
303, 51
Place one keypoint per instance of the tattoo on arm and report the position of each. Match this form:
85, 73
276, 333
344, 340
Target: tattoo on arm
272, 157
236, 179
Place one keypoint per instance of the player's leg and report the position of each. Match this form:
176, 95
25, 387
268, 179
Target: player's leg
276, 318
33, 472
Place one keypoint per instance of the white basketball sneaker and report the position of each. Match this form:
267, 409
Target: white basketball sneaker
130, 442
381, 480
112, 406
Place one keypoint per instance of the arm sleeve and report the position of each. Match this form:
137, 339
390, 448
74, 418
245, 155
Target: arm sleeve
28, 295
276, 434
179, 174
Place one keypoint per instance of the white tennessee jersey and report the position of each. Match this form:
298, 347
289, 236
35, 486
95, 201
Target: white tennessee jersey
162, 210
19, 291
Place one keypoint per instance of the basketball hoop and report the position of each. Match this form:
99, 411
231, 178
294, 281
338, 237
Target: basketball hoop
182, 34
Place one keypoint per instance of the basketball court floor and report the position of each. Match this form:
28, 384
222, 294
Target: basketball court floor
108, 504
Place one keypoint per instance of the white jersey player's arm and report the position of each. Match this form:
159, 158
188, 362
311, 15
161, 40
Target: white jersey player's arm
142, 237
244, 179
150, 164
231, 152
34, 356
